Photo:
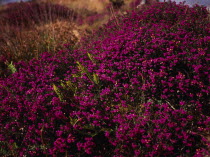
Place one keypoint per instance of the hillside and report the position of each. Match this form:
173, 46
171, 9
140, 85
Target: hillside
124, 81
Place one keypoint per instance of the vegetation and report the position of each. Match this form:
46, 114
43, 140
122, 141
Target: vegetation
137, 86
29, 28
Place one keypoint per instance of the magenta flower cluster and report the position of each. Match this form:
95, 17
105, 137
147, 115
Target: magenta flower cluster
139, 86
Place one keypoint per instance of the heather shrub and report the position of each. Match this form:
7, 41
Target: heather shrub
30, 111
136, 87
40, 111
153, 72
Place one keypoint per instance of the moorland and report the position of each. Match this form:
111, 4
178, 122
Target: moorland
109, 78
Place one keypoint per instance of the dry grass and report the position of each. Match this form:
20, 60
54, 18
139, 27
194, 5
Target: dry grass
26, 44
98, 6
19, 42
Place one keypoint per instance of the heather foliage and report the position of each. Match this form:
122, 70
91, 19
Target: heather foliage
139, 87
30, 110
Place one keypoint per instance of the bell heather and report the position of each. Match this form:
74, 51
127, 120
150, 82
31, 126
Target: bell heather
136, 87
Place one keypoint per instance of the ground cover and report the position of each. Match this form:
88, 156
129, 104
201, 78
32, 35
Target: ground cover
138, 86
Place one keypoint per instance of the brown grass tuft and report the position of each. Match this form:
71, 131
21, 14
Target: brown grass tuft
17, 44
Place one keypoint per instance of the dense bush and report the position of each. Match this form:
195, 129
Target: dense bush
29, 105
137, 87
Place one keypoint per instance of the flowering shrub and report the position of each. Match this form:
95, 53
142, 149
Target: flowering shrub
28, 102
139, 87
153, 76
